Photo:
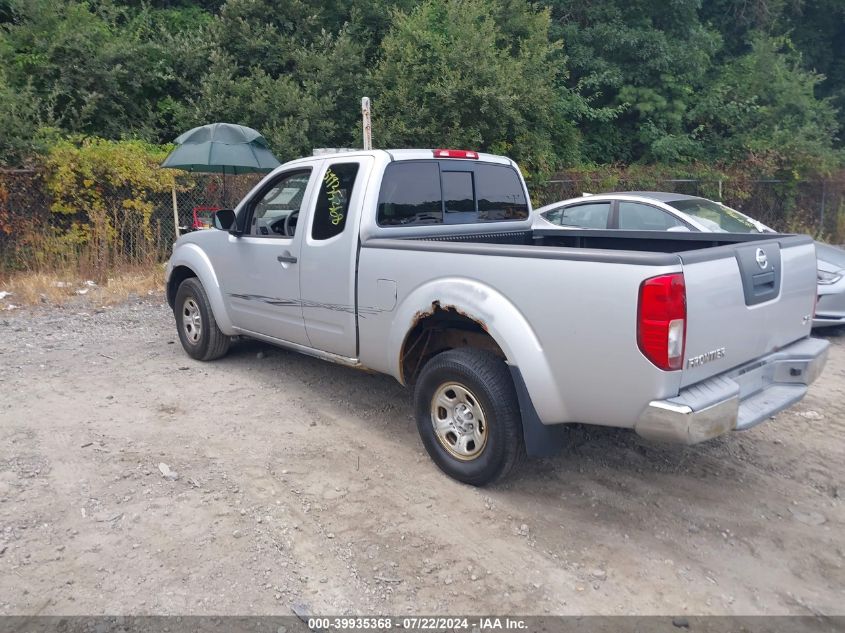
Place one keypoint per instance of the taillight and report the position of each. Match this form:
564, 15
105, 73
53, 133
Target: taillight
455, 153
662, 320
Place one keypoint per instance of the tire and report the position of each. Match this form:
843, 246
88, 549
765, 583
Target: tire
455, 387
195, 323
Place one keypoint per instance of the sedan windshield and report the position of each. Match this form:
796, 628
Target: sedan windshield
717, 217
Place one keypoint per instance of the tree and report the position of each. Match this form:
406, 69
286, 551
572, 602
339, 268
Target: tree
295, 71
308, 62
816, 29
99, 68
18, 120
645, 59
764, 102
632, 81
450, 75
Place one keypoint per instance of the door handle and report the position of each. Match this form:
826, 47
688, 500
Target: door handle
287, 259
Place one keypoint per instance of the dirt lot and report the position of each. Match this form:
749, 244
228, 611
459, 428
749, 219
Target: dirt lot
302, 482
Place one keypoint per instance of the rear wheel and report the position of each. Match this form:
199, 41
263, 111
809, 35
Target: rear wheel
199, 334
468, 417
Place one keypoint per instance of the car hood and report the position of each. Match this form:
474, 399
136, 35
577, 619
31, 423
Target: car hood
831, 259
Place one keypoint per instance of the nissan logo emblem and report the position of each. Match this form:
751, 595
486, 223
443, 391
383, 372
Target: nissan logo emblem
762, 260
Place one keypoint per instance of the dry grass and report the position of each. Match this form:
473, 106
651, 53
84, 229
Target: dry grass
55, 288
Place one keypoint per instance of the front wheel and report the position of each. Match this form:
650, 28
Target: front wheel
199, 334
467, 415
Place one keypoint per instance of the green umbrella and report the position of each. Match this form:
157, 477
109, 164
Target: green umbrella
221, 148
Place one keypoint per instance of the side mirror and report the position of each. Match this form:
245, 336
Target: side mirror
224, 219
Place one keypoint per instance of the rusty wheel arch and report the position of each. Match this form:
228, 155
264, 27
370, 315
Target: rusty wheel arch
440, 328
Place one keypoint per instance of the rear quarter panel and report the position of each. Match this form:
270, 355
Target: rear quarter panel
569, 325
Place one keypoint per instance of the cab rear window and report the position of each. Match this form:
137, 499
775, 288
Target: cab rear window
449, 192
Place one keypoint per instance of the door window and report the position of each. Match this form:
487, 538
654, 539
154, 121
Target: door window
275, 211
333, 200
635, 216
593, 215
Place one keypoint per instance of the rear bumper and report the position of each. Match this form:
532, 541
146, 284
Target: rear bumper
738, 399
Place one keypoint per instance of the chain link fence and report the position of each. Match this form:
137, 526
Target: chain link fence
26, 218
32, 233
209, 192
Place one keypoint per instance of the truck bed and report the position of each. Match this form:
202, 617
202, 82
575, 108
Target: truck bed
574, 295
656, 248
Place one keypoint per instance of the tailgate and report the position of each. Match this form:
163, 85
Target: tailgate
745, 301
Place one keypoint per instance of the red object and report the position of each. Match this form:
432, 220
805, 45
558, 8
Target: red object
204, 217
455, 153
662, 320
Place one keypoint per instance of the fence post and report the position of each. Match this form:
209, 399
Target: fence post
821, 211
720, 189
175, 213
367, 123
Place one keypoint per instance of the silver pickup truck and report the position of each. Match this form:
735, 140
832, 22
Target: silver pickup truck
422, 264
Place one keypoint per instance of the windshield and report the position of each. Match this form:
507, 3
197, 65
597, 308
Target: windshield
717, 217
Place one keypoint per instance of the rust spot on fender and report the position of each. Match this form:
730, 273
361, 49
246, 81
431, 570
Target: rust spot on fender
415, 352
436, 305
471, 317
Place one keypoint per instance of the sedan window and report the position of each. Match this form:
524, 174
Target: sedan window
717, 217
635, 216
584, 216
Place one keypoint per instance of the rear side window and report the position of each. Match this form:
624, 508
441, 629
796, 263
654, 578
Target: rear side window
644, 217
500, 194
333, 200
448, 192
410, 194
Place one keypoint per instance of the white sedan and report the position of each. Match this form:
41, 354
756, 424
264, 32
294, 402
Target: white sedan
661, 211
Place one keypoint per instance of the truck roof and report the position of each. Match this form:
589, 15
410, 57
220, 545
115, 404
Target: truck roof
421, 154
406, 154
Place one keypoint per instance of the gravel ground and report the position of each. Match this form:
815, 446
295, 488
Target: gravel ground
286, 480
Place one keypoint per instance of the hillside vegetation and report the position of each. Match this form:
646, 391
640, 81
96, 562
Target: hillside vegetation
558, 83
740, 100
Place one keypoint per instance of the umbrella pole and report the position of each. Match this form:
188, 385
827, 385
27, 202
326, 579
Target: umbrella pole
224, 188
175, 212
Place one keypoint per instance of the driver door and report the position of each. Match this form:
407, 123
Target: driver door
260, 276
